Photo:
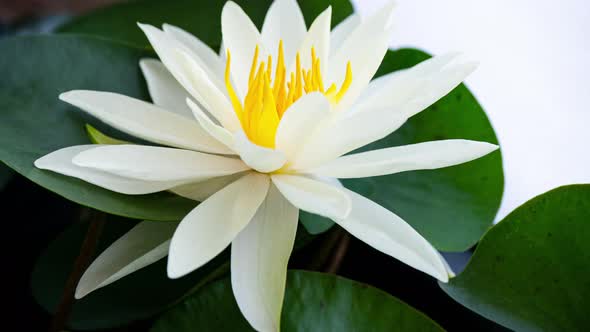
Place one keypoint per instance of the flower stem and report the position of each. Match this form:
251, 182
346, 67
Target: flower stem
87, 249
339, 253
323, 252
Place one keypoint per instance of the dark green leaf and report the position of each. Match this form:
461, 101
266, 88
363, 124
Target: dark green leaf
313, 302
315, 224
451, 207
136, 296
34, 122
5, 175
201, 18
531, 272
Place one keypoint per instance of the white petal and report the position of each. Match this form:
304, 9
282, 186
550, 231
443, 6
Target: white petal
388, 233
218, 132
342, 31
412, 90
144, 120
213, 224
364, 48
200, 191
206, 93
439, 86
164, 45
144, 244
164, 89
313, 196
427, 155
60, 161
259, 257
189, 72
317, 37
344, 134
404, 81
262, 159
207, 57
300, 121
329, 180
284, 21
151, 163
240, 36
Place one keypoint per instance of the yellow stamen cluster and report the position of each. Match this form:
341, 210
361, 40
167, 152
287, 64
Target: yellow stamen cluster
268, 99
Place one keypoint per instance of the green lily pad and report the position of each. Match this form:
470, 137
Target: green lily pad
451, 207
134, 297
201, 18
315, 224
313, 302
531, 272
34, 122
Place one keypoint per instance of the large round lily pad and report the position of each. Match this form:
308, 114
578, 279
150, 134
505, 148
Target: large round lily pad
313, 302
34, 122
531, 272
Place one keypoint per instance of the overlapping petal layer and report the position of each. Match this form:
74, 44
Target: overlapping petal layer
212, 225
144, 120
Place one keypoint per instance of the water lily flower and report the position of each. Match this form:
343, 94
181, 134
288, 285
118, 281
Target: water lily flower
256, 133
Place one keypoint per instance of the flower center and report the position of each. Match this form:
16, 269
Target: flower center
268, 99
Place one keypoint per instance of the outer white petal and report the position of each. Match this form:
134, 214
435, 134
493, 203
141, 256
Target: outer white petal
284, 21
213, 224
218, 132
164, 89
313, 196
200, 191
364, 48
164, 46
427, 155
259, 257
439, 86
342, 31
344, 134
405, 83
189, 72
388, 233
143, 245
208, 58
240, 36
144, 120
317, 37
262, 159
300, 121
151, 163
412, 90
60, 161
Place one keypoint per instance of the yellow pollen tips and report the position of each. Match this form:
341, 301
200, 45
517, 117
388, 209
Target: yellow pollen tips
268, 98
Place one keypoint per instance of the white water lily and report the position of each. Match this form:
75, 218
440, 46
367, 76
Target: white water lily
258, 133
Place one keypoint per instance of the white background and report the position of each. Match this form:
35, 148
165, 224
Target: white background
533, 79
